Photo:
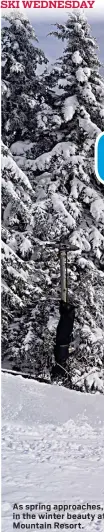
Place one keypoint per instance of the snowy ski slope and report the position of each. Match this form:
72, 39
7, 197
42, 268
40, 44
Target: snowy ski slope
52, 447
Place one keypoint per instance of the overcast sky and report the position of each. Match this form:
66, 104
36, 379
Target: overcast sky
51, 45
43, 21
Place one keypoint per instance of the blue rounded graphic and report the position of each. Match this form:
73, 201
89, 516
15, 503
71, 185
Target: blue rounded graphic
99, 158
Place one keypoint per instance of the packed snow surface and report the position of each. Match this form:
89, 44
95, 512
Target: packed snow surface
52, 447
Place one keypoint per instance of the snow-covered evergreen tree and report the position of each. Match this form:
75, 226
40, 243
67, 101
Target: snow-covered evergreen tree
67, 206
21, 87
69, 200
17, 234
24, 285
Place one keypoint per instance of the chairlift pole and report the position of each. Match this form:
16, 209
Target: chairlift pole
63, 252
66, 279
63, 275
64, 249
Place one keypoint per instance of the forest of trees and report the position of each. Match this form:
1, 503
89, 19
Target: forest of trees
50, 194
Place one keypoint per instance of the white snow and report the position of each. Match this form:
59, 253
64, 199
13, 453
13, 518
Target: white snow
32, 102
17, 67
21, 275
87, 125
58, 90
18, 23
52, 323
10, 188
97, 209
52, 448
8, 162
102, 113
9, 251
7, 211
15, 45
59, 206
28, 339
83, 74
25, 246
57, 119
20, 147
88, 94
67, 149
90, 379
76, 58
87, 71
69, 107
63, 82
7, 126
3, 88
80, 75
97, 240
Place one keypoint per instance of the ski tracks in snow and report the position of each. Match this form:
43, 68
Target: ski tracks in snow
52, 447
